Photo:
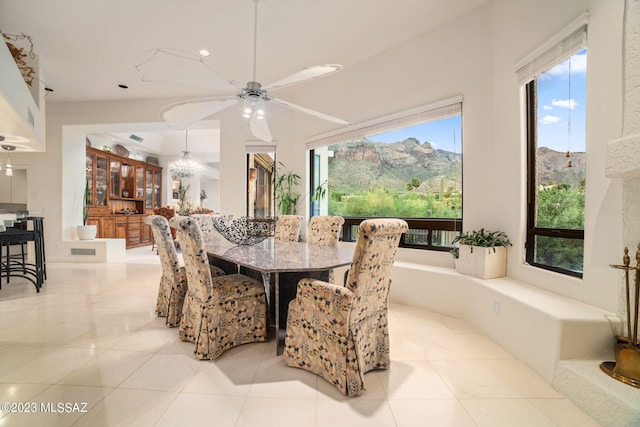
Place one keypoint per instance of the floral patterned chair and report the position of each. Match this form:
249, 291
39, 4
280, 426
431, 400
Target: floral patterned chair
325, 230
218, 313
340, 333
168, 213
173, 283
288, 228
205, 222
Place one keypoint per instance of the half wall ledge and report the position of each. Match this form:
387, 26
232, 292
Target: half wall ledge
97, 250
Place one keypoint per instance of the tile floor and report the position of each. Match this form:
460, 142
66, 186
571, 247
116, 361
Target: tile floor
91, 337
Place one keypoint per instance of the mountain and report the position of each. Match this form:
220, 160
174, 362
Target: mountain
552, 167
368, 165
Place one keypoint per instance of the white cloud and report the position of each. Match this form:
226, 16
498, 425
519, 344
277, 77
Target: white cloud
565, 103
549, 120
547, 107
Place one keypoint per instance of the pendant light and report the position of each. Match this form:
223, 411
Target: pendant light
9, 167
185, 167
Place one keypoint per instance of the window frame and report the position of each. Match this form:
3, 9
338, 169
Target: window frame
532, 230
428, 224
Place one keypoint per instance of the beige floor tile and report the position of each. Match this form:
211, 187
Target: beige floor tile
202, 410
505, 413
564, 413
274, 379
165, 372
474, 379
432, 413
414, 380
18, 393
135, 408
355, 413
276, 412
107, 368
523, 379
58, 405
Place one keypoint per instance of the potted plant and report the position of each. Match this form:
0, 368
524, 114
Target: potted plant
481, 253
286, 196
86, 231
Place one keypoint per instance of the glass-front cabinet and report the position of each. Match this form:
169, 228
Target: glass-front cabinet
153, 189
148, 195
97, 170
115, 174
102, 171
128, 180
157, 188
121, 192
139, 182
89, 174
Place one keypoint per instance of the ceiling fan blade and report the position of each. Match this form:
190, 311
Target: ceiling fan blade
259, 128
310, 111
178, 66
308, 73
182, 114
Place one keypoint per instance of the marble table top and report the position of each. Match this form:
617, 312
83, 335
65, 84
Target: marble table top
271, 256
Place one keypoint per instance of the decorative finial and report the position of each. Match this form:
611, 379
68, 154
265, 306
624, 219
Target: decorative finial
626, 259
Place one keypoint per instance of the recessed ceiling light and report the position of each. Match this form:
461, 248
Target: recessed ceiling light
204, 52
123, 86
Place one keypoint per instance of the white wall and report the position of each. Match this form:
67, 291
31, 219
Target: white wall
473, 56
513, 39
13, 189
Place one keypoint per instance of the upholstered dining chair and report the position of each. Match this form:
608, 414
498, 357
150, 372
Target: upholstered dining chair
288, 228
340, 333
325, 230
218, 313
205, 222
173, 283
168, 213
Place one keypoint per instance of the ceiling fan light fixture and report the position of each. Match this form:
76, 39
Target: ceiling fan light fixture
247, 109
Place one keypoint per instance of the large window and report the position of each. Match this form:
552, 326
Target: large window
408, 168
556, 112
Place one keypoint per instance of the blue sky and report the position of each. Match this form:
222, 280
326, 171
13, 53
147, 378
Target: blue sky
557, 103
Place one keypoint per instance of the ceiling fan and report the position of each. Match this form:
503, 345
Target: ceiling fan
253, 96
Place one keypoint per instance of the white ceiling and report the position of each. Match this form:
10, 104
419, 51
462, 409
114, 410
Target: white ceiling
87, 48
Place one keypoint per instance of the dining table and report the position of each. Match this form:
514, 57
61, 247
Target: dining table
280, 265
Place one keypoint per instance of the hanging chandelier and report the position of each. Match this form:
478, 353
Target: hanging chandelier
9, 167
185, 167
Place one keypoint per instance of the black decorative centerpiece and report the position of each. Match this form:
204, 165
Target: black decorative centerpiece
241, 230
